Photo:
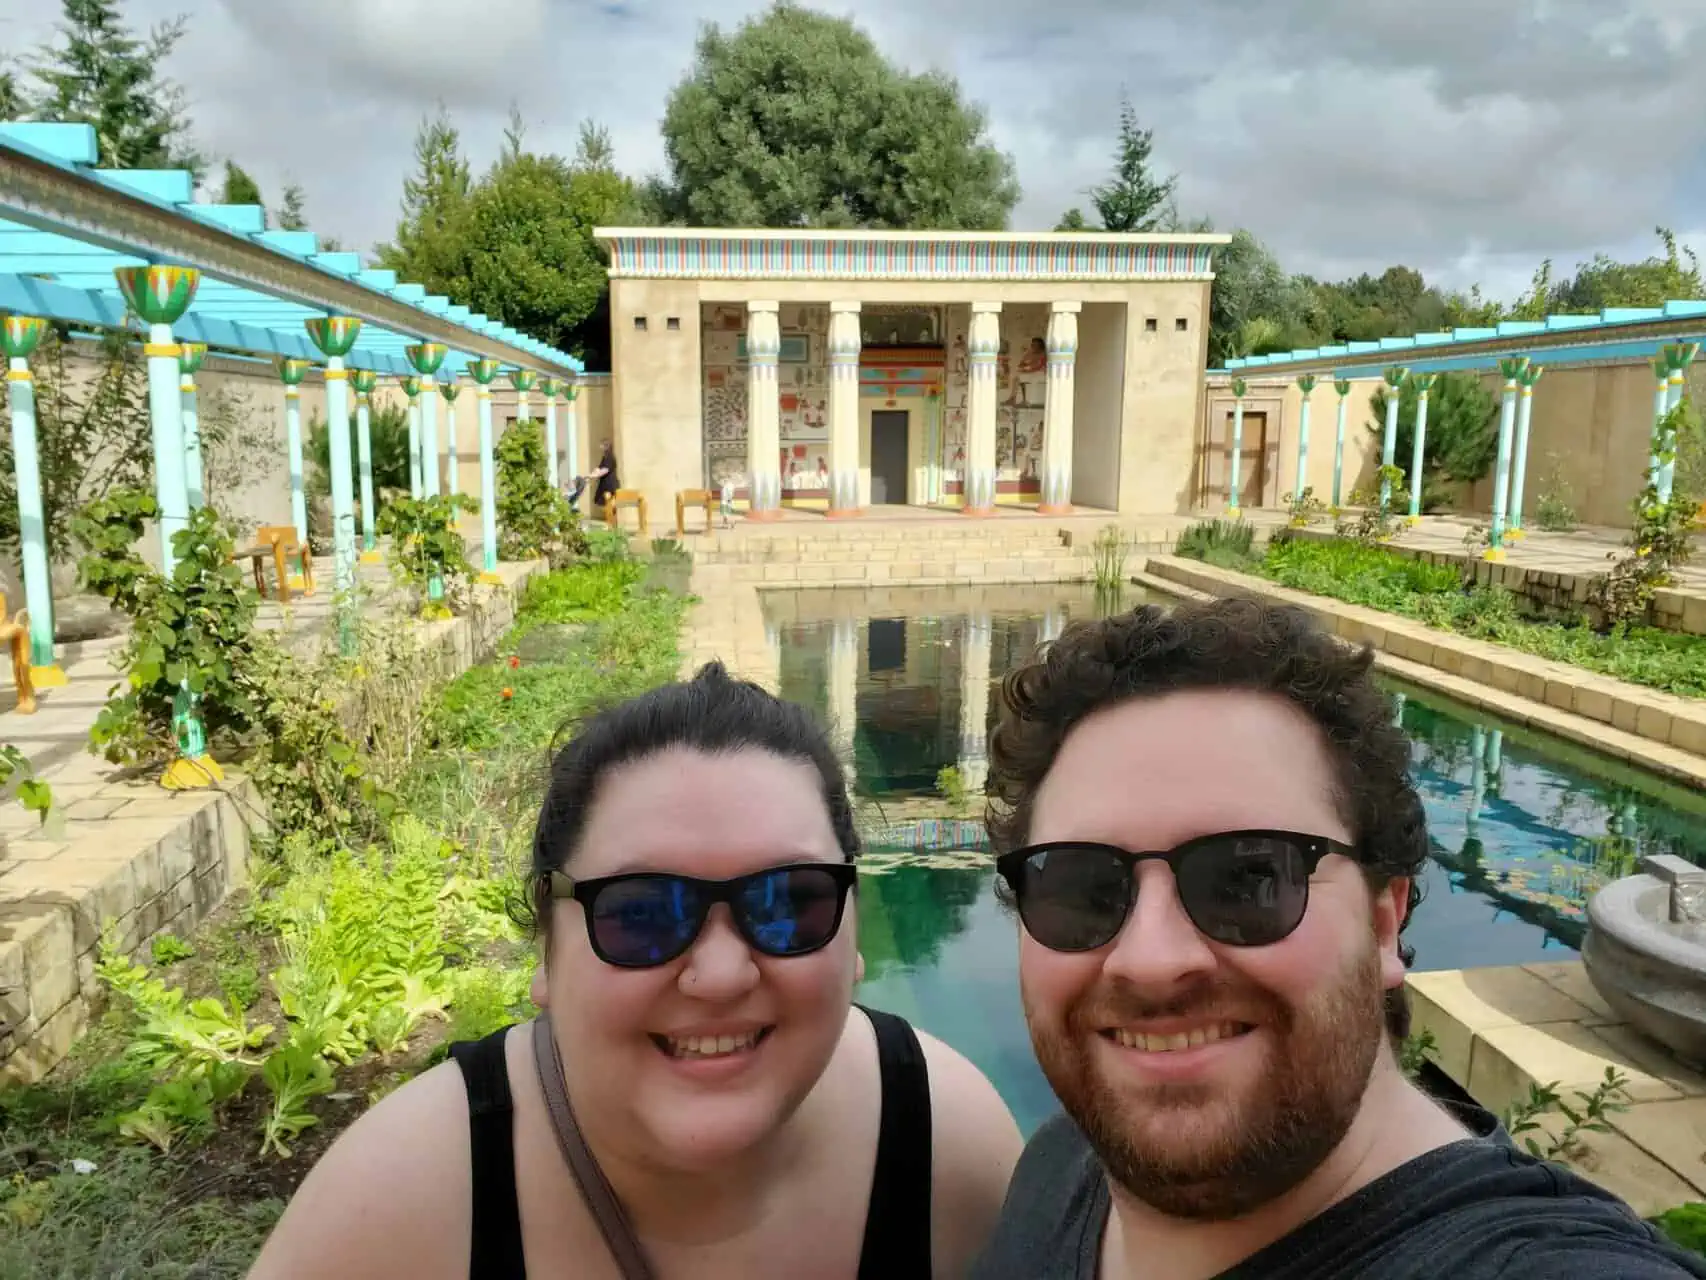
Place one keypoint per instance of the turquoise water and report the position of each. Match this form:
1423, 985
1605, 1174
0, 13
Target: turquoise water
1523, 826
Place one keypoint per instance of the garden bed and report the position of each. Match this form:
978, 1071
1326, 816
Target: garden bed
1377, 578
221, 1071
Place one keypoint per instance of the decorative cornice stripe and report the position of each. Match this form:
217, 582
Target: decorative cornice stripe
925, 257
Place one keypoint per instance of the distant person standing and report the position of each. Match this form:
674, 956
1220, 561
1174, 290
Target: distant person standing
605, 474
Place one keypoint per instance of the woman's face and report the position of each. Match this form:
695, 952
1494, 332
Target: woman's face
622, 1030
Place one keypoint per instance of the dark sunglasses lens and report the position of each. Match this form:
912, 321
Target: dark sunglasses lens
1074, 899
648, 920
1246, 891
791, 910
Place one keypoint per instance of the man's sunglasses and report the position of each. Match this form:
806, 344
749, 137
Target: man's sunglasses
649, 918
1241, 888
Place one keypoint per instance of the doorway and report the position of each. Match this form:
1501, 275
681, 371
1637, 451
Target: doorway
888, 456
1253, 463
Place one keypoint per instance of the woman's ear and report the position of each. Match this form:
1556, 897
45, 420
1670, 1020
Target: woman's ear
858, 966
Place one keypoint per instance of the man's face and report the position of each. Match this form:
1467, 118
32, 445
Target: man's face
1219, 1128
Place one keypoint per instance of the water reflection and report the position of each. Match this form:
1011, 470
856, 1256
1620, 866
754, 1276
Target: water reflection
1523, 827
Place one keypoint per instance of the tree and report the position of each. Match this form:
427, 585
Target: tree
797, 120
1605, 282
1072, 220
1255, 307
239, 187
103, 75
12, 104
1132, 200
292, 213
431, 243
1463, 435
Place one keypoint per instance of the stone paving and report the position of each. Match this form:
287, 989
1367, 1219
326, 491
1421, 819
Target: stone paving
127, 852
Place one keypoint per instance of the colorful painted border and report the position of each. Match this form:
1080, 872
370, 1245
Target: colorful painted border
928, 256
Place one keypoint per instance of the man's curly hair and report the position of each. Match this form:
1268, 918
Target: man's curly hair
1235, 643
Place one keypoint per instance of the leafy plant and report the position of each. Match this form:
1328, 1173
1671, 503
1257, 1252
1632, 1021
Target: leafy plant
388, 436
1660, 535
534, 519
951, 786
168, 949
1413, 1053
35, 795
426, 546
1306, 509
1375, 521
294, 1075
1216, 540
1553, 510
1109, 552
1685, 1226
1587, 1114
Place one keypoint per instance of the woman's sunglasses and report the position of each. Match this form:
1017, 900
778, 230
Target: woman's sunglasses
1241, 888
649, 918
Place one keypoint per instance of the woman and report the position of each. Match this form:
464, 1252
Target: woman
693, 883
605, 473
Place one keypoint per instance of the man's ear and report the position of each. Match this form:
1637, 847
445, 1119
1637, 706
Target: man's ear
1391, 907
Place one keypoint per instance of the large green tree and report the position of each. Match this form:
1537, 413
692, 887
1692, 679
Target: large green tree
99, 72
795, 119
430, 246
1133, 199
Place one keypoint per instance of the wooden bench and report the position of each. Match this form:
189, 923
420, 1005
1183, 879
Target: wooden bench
706, 498
625, 498
278, 542
15, 632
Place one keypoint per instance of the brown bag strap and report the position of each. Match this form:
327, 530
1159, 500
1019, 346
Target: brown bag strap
595, 1187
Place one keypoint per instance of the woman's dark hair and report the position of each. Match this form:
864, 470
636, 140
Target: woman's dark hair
1238, 644
713, 713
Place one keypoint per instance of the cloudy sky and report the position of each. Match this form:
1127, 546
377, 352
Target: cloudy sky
1469, 138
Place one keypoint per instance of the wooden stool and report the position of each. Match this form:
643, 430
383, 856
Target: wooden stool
279, 542
625, 498
706, 498
15, 632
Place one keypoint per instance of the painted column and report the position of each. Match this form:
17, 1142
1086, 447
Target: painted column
843, 680
1306, 384
1519, 464
1057, 408
571, 428
1680, 355
1343, 387
19, 337
523, 380
1424, 384
974, 703
424, 358
364, 381
335, 337
1234, 470
1661, 405
412, 388
1394, 378
984, 346
291, 371
1512, 368
1400, 700
844, 342
1051, 625
548, 388
190, 358
483, 372
159, 296
1477, 782
1495, 755
763, 412
449, 390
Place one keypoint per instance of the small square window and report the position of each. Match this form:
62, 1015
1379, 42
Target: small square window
1181, 324
640, 323
674, 322
1151, 324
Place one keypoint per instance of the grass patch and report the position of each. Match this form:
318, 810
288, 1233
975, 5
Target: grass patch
1438, 595
226, 1065
1225, 544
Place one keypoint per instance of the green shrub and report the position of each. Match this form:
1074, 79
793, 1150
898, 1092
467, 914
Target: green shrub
1227, 537
1685, 1226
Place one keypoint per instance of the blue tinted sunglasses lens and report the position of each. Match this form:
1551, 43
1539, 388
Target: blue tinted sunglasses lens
647, 921
791, 910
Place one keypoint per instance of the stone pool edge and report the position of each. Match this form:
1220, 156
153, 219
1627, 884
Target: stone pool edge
1658, 731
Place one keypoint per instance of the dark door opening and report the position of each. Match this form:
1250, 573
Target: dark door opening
888, 456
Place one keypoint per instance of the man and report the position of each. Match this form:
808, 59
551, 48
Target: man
1219, 1019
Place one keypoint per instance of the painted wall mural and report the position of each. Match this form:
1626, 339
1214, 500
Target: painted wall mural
803, 386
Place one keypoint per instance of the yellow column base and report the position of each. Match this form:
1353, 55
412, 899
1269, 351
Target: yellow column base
185, 774
1233, 513
300, 584
1494, 554
1514, 535
372, 557
49, 677
436, 612
1412, 521
489, 580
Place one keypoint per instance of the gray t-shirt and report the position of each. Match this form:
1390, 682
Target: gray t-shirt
1474, 1210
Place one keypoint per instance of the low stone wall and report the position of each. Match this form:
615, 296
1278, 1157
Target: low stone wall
1661, 718
142, 860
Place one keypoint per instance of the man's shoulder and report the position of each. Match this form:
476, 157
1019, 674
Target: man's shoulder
1054, 1211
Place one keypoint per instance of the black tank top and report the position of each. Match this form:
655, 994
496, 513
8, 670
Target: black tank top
897, 1220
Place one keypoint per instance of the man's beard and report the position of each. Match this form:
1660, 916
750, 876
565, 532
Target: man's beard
1201, 1151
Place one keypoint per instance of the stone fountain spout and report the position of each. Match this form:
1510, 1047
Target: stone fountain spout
1646, 953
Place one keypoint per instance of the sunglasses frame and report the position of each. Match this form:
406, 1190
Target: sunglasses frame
562, 887
1009, 866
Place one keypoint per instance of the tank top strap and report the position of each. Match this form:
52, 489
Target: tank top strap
897, 1221
495, 1251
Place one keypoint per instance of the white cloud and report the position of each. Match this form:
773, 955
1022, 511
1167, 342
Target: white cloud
1466, 138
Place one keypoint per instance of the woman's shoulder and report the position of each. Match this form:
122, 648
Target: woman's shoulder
390, 1197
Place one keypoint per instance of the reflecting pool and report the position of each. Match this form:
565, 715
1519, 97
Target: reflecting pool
1523, 826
